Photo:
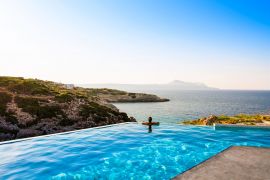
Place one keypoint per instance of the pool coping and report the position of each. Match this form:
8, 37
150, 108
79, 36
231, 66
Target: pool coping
179, 176
62, 133
239, 126
201, 162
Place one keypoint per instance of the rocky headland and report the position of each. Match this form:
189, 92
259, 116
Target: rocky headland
122, 96
240, 119
32, 107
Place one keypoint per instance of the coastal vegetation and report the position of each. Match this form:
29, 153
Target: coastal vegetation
240, 119
31, 107
4, 99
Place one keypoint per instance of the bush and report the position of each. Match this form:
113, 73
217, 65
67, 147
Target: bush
33, 107
66, 97
49, 111
4, 99
30, 105
94, 108
30, 87
223, 117
8, 81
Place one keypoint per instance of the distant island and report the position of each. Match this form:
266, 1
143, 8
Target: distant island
32, 107
240, 119
174, 85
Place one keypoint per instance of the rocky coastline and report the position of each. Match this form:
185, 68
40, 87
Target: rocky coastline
240, 119
32, 107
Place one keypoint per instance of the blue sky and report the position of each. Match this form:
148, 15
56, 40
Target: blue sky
224, 44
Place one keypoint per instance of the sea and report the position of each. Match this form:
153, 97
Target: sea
194, 104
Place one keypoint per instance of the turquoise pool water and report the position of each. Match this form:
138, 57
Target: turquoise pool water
124, 151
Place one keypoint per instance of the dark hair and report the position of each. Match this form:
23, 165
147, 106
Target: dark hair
150, 119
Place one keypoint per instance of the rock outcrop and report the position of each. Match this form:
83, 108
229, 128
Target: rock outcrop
240, 119
210, 120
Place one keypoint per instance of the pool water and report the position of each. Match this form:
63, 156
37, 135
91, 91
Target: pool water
124, 151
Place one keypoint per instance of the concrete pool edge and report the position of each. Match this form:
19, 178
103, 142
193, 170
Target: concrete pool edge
173, 178
215, 166
216, 126
62, 133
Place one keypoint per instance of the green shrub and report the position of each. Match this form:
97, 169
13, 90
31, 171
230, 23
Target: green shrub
9, 116
49, 111
66, 97
8, 81
30, 87
4, 99
223, 117
94, 108
30, 105
33, 107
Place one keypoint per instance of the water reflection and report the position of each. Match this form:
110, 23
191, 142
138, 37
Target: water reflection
149, 128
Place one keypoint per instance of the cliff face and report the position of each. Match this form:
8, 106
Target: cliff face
30, 107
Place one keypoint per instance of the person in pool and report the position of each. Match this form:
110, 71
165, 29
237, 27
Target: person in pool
150, 122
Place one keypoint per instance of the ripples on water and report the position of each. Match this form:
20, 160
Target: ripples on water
195, 104
122, 151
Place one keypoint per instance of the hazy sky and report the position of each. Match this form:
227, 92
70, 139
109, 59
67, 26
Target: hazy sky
225, 44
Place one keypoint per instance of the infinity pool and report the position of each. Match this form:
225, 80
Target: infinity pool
124, 151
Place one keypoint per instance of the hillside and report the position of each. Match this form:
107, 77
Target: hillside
31, 107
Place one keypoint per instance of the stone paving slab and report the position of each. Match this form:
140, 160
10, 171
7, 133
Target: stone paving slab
234, 163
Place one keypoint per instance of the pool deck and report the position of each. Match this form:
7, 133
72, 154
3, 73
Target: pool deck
236, 162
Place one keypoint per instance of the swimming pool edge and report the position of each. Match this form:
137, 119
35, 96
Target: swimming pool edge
208, 159
62, 133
